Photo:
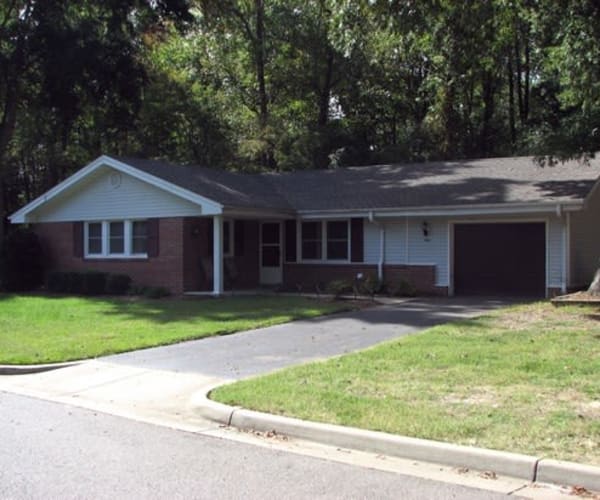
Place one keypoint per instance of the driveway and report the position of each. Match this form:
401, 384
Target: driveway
266, 349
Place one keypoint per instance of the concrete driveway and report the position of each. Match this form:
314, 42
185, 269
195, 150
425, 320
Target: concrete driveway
266, 349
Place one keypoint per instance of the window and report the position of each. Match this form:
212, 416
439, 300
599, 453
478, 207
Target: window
337, 240
311, 240
116, 239
325, 240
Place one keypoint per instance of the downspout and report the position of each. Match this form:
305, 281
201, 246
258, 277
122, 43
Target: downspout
381, 245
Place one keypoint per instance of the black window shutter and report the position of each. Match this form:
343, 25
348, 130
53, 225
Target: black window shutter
77, 239
356, 243
152, 243
290, 240
238, 238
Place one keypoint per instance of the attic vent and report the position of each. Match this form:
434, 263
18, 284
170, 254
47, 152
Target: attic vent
115, 180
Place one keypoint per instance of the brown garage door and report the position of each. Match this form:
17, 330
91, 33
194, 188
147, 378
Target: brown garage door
500, 259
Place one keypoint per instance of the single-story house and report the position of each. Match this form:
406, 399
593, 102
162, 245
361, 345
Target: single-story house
502, 225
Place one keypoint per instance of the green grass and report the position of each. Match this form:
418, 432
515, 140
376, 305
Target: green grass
43, 329
524, 379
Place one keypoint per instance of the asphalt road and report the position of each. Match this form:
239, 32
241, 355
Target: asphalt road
52, 450
266, 349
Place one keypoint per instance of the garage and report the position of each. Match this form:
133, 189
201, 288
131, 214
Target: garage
500, 258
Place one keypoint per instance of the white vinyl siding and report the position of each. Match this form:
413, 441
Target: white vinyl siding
108, 194
431, 250
585, 242
555, 252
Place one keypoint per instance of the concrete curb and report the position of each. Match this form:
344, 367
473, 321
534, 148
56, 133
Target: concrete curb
569, 473
25, 369
530, 468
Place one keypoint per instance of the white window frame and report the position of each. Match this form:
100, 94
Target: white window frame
105, 254
323, 259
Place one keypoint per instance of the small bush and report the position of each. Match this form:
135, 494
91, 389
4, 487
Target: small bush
21, 261
371, 285
58, 282
156, 292
339, 287
75, 283
118, 284
403, 288
94, 282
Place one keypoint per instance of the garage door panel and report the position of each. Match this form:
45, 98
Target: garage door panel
506, 258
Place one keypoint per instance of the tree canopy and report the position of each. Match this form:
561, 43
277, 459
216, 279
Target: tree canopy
287, 84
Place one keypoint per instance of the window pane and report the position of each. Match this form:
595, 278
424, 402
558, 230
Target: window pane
95, 238
270, 233
270, 256
337, 230
95, 230
116, 237
311, 230
337, 250
139, 237
311, 249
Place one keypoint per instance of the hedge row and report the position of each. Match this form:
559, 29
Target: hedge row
88, 283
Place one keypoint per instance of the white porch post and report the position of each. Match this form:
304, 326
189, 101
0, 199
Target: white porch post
217, 255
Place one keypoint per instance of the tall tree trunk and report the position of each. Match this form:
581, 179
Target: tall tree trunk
511, 103
263, 99
324, 93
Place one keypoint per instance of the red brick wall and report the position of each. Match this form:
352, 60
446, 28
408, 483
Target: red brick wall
309, 275
165, 270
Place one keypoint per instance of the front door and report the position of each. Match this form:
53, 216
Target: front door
270, 253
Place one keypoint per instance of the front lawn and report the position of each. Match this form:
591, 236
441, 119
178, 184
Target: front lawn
44, 329
523, 379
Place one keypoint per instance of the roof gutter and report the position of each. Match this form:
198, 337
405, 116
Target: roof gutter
446, 210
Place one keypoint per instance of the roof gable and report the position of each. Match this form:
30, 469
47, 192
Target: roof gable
64, 198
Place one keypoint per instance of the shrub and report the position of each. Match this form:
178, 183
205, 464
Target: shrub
94, 282
371, 285
118, 284
21, 261
58, 282
75, 283
156, 292
339, 287
403, 288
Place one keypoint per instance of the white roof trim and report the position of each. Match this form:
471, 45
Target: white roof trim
451, 210
20, 216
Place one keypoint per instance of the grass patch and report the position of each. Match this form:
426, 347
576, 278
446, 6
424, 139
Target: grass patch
524, 379
40, 329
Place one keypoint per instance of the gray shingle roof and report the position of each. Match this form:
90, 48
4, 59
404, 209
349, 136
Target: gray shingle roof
459, 183
231, 189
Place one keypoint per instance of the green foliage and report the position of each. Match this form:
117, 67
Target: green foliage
87, 283
155, 292
290, 85
118, 284
21, 262
402, 288
339, 287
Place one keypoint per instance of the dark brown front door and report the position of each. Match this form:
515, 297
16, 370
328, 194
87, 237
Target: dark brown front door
500, 258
